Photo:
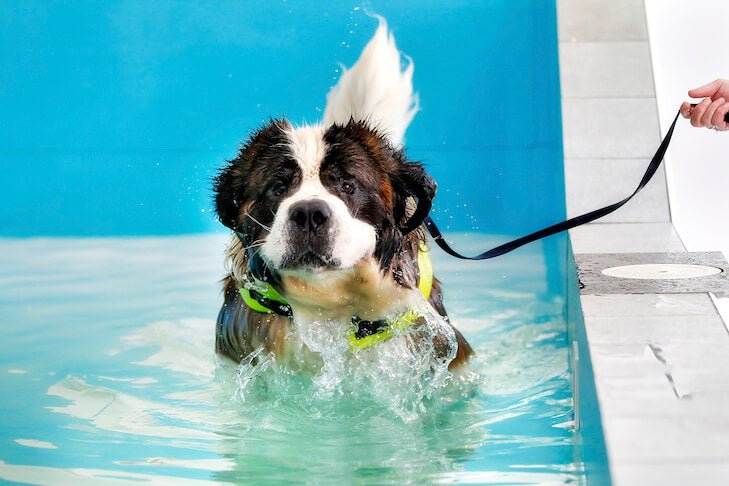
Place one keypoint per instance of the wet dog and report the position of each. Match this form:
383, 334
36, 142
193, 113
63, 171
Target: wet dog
326, 224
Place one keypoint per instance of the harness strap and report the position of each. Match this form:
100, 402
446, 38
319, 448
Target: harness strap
361, 337
564, 225
425, 267
264, 298
262, 303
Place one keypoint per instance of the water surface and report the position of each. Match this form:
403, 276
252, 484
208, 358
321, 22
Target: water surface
106, 359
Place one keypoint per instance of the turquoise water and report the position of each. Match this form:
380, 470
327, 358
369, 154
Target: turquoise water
109, 375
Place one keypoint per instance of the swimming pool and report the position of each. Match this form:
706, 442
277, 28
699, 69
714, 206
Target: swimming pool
107, 354
110, 255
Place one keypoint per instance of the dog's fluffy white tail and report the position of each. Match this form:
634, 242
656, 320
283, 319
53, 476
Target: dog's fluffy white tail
376, 89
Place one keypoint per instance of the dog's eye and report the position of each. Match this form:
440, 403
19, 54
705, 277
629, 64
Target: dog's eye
347, 187
278, 189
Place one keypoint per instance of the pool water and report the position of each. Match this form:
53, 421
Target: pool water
107, 368
108, 375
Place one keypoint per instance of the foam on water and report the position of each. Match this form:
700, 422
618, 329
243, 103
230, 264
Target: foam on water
114, 338
403, 374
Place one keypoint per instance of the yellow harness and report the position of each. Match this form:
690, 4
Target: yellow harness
264, 298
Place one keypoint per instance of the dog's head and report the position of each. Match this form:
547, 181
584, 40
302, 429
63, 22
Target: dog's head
312, 199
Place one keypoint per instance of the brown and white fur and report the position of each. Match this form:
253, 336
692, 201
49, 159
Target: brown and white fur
325, 212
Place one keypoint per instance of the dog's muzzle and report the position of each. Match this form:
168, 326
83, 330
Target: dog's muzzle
310, 230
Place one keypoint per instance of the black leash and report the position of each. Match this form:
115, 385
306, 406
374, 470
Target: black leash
564, 225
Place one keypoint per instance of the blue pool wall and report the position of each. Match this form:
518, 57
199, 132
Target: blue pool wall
115, 115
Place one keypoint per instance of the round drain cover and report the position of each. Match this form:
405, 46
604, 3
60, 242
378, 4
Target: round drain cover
661, 271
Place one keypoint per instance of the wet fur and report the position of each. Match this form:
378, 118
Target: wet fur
392, 271
360, 141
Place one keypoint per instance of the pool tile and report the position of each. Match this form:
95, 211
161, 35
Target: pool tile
613, 305
698, 357
678, 473
663, 400
664, 439
588, 20
655, 329
625, 238
606, 69
594, 183
610, 127
689, 356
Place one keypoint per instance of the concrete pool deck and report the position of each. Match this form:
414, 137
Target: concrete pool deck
660, 354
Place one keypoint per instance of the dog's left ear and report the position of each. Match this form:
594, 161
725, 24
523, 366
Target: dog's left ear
420, 185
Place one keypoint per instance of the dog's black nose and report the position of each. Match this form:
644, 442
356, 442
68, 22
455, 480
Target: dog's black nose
310, 215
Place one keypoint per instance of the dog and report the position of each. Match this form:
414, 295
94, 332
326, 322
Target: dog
327, 224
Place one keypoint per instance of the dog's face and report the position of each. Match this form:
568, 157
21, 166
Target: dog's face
308, 200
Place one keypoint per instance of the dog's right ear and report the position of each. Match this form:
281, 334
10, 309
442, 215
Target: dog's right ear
227, 188
419, 184
229, 185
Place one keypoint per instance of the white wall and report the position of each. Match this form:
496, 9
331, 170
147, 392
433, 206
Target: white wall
690, 47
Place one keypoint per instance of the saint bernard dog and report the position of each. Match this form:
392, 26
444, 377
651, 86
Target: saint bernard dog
327, 224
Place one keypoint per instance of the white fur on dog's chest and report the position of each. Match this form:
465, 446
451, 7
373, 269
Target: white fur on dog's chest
362, 291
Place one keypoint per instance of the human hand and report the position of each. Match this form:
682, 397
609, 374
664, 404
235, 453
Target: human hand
712, 111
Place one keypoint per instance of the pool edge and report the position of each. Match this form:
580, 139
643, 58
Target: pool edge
589, 438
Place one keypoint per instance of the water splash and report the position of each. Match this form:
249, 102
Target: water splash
406, 375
